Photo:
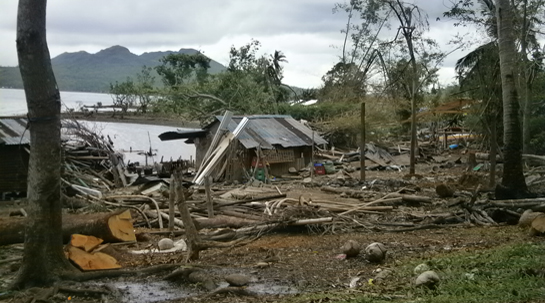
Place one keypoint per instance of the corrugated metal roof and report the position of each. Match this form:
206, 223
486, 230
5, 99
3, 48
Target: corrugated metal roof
12, 131
270, 130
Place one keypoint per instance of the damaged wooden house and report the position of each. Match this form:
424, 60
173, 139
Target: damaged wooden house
266, 146
14, 155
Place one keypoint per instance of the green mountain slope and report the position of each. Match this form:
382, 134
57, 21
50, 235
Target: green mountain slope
82, 71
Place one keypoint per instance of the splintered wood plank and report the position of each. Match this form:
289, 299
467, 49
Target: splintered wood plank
87, 243
121, 226
91, 261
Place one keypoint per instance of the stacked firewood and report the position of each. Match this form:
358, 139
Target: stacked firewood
91, 165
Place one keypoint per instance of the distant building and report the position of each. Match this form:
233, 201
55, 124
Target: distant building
283, 141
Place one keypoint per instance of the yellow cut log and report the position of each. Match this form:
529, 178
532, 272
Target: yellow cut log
87, 243
91, 261
538, 226
121, 226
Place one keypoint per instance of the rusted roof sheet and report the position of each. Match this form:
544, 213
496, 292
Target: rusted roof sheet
12, 131
269, 131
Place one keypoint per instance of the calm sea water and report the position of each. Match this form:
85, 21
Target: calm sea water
126, 136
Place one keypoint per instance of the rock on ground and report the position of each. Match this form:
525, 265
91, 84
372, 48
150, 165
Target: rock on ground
420, 268
165, 244
428, 279
375, 252
237, 279
351, 249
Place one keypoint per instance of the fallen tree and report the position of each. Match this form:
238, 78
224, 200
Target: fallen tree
110, 227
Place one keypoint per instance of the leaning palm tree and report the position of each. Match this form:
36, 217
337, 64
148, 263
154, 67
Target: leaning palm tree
275, 69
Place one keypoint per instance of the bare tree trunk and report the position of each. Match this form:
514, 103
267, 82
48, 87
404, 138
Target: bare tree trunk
414, 146
43, 258
405, 17
513, 179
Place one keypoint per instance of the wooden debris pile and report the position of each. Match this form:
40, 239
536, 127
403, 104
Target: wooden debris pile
91, 166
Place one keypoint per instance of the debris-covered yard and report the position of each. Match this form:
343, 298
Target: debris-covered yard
302, 237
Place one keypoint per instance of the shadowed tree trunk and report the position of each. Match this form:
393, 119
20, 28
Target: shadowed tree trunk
43, 259
513, 184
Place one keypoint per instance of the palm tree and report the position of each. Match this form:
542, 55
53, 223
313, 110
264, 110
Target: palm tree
513, 182
277, 58
482, 67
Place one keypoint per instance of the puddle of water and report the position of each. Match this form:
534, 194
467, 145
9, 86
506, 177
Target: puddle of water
152, 291
266, 288
155, 290
270, 289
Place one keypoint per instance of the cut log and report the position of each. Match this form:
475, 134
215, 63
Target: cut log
528, 217
538, 226
224, 221
91, 261
87, 243
486, 157
412, 198
110, 227
251, 200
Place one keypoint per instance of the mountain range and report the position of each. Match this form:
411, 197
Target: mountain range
82, 71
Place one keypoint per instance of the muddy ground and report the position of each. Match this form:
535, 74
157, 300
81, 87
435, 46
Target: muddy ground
291, 262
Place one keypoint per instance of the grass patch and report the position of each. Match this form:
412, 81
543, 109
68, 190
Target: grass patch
510, 273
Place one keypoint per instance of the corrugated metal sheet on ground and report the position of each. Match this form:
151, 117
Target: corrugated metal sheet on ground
270, 130
12, 131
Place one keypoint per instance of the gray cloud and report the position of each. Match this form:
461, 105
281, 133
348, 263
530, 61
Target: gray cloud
304, 30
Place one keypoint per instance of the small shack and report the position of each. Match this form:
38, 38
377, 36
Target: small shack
279, 140
14, 155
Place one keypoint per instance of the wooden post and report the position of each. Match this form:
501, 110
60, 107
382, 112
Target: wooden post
192, 235
209, 201
362, 149
171, 198
446, 139
263, 163
312, 159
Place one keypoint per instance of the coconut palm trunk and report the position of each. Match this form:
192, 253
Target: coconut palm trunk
513, 184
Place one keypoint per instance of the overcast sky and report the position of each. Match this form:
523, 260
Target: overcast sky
306, 31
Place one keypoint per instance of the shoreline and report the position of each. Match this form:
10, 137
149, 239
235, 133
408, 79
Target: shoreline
148, 119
